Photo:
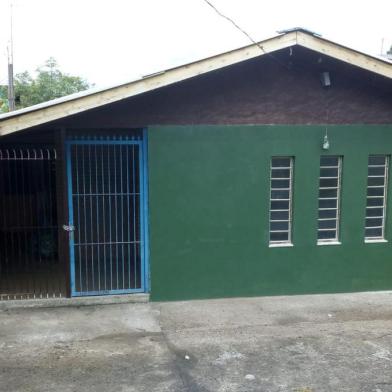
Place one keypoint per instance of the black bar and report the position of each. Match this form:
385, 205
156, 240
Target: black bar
62, 208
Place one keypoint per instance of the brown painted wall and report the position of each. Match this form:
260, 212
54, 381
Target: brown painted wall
283, 89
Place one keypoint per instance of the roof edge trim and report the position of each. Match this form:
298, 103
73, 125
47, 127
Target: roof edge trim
86, 100
343, 53
54, 110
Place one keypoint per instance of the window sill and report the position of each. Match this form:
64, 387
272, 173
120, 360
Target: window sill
375, 241
282, 245
322, 243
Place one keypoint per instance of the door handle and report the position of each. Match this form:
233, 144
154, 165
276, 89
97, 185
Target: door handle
68, 228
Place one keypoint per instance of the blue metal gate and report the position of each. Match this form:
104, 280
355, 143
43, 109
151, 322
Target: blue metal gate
107, 195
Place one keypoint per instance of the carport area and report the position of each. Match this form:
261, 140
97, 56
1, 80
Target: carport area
335, 342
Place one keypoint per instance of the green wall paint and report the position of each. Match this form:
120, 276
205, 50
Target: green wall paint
209, 205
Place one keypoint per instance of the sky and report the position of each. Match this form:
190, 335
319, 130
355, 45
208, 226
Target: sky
110, 42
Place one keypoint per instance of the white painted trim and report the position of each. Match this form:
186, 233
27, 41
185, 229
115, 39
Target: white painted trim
281, 245
375, 240
322, 243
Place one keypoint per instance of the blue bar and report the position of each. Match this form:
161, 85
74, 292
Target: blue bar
103, 216
85, 219
141, 215
105, 142
97, 215
129, 221
110, 223
71, 220
78, 222
107, 292
134, 214
140, 147
115, 210
145, 215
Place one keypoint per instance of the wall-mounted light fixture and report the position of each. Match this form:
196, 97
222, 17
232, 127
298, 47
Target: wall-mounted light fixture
326, 83
325, 79
326, 140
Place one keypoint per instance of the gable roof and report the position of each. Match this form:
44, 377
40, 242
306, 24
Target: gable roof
89, 99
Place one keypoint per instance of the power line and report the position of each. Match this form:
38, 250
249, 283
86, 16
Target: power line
264, 52
235, 25
246, 34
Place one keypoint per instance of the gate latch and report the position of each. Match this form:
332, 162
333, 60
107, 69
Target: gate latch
68, 228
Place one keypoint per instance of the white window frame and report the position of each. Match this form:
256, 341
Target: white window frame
288, 242
335, 240
384, 196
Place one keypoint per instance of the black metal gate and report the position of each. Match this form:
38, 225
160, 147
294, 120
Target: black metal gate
29, 265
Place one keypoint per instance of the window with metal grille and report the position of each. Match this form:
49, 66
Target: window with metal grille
376, 197
329, 199
281, 200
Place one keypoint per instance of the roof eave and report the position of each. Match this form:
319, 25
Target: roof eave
40, 114
87, 100
345, 54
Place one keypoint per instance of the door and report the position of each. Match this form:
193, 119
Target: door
107, 199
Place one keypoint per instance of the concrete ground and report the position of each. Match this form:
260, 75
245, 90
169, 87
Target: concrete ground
300, 343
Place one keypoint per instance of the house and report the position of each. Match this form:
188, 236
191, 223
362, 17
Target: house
260, 171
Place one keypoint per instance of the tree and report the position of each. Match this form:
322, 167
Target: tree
3, 99
48, 84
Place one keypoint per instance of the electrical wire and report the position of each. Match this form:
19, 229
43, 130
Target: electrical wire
246, 34
235, 25
291, 69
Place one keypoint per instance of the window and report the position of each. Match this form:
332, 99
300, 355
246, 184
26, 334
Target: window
281, 201
329, 199
376, 197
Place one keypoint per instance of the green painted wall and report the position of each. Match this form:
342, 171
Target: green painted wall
209, 205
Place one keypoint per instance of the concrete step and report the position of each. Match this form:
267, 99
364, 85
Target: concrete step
75, 301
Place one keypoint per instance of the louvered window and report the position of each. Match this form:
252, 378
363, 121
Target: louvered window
376, 197
281, 201
329, 199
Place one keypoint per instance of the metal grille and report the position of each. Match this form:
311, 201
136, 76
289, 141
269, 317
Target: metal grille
376, 197
329, 199
29, 266
280, 200
105, 197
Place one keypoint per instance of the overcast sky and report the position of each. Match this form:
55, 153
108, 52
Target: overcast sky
109, 42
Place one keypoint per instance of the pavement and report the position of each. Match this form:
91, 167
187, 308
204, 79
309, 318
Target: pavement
311, 343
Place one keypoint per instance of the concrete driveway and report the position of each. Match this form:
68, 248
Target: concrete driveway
302, 343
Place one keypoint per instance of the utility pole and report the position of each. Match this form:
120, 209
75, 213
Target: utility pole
11, 92
10, 50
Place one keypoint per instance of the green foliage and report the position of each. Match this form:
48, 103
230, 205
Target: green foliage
3, 99
49, 83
